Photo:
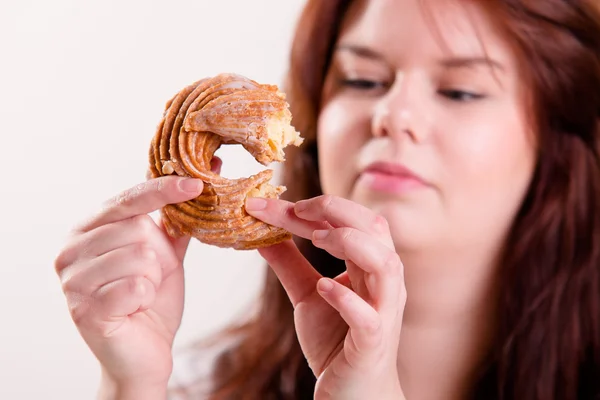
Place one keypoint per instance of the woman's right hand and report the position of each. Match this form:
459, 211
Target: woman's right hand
122, 277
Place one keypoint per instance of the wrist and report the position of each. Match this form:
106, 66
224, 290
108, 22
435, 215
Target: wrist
112, 390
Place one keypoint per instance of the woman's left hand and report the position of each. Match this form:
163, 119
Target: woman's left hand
348, 327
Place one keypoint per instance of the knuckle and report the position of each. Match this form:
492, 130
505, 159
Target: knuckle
134, 288
153, 185
84, 247
144, 252
125, 197
159, 185
347, 234
62, 260
162, 186
143, 225
391, 264
66, 271
67, 284
326, 201
135, 285
70, 280
374, 326
120, 199
127, 287
78, 306
381, 224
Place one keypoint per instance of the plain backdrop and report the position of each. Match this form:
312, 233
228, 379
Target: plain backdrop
82, 87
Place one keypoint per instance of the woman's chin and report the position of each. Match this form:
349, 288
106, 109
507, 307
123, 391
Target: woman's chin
411, 224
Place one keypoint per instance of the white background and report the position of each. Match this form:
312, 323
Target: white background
82, 87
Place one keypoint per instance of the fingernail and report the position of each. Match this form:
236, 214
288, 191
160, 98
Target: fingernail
255, 204
321, 234
325, 285
191, 185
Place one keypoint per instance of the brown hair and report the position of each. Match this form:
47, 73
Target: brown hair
548, 345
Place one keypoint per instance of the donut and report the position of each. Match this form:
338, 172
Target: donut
224, 109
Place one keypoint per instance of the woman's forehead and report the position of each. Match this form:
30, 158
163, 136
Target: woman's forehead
430, 28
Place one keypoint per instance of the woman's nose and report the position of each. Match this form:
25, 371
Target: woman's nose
397, 113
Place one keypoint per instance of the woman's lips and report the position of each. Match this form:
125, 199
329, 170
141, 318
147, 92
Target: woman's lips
391, 178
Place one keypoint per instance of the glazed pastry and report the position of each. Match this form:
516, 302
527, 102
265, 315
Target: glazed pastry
225, 109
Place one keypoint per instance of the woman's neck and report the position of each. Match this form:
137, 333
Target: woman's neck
448, 323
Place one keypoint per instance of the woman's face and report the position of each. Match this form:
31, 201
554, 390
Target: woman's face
424, 121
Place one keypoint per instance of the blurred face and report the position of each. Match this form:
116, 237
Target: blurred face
424, 121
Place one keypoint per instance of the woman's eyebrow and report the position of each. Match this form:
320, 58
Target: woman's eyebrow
361, 51
470, 62
448, 63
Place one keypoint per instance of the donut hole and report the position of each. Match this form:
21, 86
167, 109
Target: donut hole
238, 163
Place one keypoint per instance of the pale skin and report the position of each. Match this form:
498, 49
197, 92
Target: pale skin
415, 305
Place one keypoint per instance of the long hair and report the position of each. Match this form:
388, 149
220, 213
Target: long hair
548, 344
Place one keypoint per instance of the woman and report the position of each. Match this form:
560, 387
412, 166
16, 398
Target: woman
458, 152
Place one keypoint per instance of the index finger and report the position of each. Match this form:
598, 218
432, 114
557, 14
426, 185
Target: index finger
144, 199
281, 213
341, 212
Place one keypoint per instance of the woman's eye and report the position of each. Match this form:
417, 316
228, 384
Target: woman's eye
460, 95
362, 84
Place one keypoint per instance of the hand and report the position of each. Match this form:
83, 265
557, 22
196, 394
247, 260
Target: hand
348, 327
122, 277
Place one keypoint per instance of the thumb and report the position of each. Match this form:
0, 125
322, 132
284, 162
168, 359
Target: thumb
180, 244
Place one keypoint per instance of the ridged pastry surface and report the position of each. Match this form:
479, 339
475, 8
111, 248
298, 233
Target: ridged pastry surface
225, 109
